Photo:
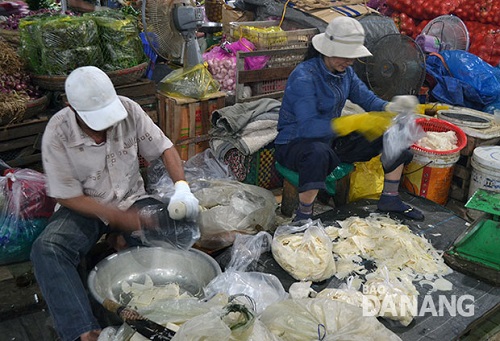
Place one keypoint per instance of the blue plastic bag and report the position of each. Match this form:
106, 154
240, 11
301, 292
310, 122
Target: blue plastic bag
463, 80
496, 104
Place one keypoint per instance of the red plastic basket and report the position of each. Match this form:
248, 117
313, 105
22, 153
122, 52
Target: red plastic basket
437, 125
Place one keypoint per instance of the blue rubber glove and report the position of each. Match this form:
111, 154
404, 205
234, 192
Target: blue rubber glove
183, 204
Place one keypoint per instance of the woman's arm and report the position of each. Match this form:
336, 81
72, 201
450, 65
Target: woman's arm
364, 97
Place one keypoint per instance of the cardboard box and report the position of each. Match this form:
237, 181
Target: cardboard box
328, 14
230, 14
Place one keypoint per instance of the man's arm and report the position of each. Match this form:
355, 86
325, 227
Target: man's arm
183, 204
173, 164
116, 218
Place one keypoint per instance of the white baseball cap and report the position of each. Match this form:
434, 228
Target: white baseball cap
344, 37
92, 95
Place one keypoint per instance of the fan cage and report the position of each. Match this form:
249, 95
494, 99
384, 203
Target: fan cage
378, 84
438, 125
163, 38
446, 21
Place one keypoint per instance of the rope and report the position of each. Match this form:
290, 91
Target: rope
321, 332
416, 170
284, 12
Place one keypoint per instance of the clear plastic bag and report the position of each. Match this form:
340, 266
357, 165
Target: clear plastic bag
404, 132
201, 166
261, 288
233, 322
232, 208
388, 290
229, 207
322, 319
206, 166
305, 252
26, 209
345, 293
158, 229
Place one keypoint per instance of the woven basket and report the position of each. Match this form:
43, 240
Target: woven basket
118, 77
36, 106
32, 108
127, 76
10, 36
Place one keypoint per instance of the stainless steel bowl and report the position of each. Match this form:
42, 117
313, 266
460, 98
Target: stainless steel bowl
191, 269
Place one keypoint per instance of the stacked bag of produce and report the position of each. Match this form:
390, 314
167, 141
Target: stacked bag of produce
56, 44
120, 43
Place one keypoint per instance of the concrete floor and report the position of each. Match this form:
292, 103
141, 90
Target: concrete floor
23, 314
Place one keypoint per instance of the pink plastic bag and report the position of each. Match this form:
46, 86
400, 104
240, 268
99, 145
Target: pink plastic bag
251, 63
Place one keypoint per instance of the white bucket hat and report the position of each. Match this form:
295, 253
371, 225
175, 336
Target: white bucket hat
92, 94
344, 37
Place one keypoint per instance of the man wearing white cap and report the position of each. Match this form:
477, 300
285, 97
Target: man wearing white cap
90, 153
316, 93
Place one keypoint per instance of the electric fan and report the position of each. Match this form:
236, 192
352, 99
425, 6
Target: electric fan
446, 32
376, 26
397, 67
170, 28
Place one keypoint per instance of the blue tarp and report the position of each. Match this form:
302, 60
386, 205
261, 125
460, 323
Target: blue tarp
466, 80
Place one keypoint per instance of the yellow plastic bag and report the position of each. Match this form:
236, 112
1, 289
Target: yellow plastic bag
194, 82
367, 180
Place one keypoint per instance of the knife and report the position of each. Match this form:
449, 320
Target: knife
147, 328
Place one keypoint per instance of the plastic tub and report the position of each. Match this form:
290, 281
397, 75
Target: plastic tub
485, 169
430, 173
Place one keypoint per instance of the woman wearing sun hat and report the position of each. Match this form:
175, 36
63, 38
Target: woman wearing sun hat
316, 93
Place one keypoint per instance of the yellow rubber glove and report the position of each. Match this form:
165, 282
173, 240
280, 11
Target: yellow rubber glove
371, 124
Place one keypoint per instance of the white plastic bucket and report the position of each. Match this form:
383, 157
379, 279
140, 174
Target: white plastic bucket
429, 175
485, 169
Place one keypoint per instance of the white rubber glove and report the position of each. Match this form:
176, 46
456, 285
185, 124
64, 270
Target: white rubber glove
183, 203
402, 104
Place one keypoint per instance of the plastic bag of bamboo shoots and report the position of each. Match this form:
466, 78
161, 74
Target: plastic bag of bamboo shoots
322, 319
305, 252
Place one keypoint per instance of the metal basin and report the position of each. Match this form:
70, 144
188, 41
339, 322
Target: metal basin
191, 269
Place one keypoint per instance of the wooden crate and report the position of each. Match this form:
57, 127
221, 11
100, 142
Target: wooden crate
20, 144
474, 142
460, 181
144, 93
270, 81
186, 121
